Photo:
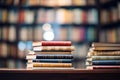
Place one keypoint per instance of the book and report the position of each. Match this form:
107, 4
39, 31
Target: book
50, 60
53, 48
57, 52
54, 56
52, 43
103, 62
103, 48
103, 58
37, 64
101, 44
103, 67
12, 33
50, 68
104, 53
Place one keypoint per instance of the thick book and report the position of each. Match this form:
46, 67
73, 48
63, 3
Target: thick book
53, 48
103, 67
96, 44
104, 53
103, 58
103, 62
37, 64
57, 52
50, 56
104, 48
50, 60
52, 43
54, 56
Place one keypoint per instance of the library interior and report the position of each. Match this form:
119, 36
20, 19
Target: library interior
80, 21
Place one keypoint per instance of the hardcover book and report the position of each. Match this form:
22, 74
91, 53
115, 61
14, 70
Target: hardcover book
53, 48
37, 64
52, 60
52, 43
95, 44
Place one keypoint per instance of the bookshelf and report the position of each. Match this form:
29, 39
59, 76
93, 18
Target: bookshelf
110, 26
24, 19
75, 74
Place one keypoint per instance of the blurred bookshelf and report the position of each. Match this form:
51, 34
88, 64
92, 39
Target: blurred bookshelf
80, 21
109, 21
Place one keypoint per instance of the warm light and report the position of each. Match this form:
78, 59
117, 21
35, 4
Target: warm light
46, 27
48, 35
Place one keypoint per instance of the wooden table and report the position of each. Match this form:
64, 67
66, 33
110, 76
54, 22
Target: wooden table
56, 74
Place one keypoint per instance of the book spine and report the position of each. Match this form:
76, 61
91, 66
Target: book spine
103, 53
36, 64
103, 67
106, 62
105, 48
104, 58
105, 44
53, 56
52, 43
56, 43
68, 53
53, 60
54, 48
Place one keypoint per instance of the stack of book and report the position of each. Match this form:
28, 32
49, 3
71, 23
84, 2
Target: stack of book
50, 55
103, 56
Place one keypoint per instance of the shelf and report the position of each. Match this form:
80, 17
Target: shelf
109, 4
35, 24
86, 7
13, 58
110, 25
10, 42
78, 25
66, 74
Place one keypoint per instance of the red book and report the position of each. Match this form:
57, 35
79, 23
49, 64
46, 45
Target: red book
52, 43
21, 16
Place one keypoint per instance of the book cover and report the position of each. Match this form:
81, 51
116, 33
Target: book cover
104, 53
52, 60
51, 43
57, 52
103, 62
102, 44
37, 64
102, 48
54, 56
53, 48
103, 58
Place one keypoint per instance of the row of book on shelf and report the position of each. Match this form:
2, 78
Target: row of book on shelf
60, 33
12, 64
103, 56
49, 2
8, 50
111, 15
110, 35
50, 54
62, 16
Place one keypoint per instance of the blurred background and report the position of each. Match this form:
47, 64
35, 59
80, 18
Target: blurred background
80, 21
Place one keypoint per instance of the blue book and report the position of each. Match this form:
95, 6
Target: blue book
54, 56
53, 60
106, 62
